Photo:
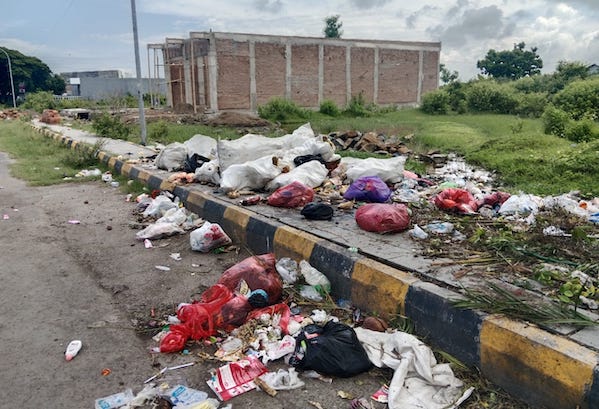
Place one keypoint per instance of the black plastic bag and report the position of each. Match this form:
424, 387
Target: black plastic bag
317, 211
330, 350
300, 160
193, 162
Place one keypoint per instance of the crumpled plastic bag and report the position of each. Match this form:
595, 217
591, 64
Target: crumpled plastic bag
383, 217
283, 379
209, 236
317, 211
520, 205
458, 200
159, 230
295, 194
159, 206
369, 189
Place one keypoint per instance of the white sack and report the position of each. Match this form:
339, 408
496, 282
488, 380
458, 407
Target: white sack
418, 380
202, 145
172, 157
251, 146
208, 172
311, 173
250, 175
390, 170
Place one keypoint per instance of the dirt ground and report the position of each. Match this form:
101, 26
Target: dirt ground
71, 268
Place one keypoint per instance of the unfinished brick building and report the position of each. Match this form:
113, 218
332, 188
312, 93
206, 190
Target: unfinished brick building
213, 71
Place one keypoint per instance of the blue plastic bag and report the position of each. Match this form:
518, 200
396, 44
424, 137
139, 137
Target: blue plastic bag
368, 189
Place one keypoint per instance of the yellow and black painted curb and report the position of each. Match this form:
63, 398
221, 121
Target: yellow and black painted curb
539, 367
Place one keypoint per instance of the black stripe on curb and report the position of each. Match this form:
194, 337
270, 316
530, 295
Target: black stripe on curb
334, 261
592, 395
118, 166
154, 182
260, 235
451, 329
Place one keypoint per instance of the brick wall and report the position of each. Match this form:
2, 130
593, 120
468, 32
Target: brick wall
270, 71
304, 75
334, 83
362, 73
233, 74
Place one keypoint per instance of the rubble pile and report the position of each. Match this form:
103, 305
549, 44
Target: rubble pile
50, 116
369, 142
9, 114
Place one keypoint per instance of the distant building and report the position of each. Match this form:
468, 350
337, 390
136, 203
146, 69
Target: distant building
226, 71
97, 85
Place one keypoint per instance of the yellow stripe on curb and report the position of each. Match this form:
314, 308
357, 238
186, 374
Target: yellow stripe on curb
126, 169
166, 185
380, 288
102, 155
524, 357
236, 220
294, 243
112, 161
144, 176
197, 198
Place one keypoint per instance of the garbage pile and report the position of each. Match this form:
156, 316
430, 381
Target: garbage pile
9, 114
252, 317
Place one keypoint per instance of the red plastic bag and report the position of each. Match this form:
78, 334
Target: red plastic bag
383, 217
233, 314
295, 194
258, 272
458, 200
495, 199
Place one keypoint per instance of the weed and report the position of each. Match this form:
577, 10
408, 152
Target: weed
110, 127
280, 109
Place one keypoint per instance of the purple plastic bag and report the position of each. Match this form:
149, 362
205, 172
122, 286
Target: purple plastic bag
368, 189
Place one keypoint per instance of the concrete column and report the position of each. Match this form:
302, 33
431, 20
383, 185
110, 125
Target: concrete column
420, 74
187, 77
201, 81
288, 71
213, 74
167, 78
253, 95
375, 94
320, 73
348, 73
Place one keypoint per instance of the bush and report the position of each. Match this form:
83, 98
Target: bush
38, 101
489, 96
281, 109
554, 121
111, 127
435, 102
328, 107
357, 106
581, 131
159, 131
531, 105
579, 99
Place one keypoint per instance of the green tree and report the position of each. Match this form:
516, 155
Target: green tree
447, 76
29, 73
514, 64
332, 27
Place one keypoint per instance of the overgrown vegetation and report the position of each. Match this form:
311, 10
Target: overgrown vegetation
110, 126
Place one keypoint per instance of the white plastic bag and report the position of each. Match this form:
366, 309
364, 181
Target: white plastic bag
159, 206
159, 230
311, 174
208, 237
389, 170
287, 269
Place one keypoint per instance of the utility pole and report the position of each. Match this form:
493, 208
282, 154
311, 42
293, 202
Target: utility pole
142, 115
12, 84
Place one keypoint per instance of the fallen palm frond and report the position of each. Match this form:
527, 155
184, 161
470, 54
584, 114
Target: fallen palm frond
501, 301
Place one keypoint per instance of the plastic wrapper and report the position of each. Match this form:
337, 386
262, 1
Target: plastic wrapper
383, 217
208, 237
236, 378
369, 189
258, 272
296, 194
458, 200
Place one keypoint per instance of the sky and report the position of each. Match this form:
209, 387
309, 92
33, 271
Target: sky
84, 35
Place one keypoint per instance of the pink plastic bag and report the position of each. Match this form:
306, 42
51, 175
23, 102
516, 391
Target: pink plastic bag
295, 194
458, 200
383, 217
258, 272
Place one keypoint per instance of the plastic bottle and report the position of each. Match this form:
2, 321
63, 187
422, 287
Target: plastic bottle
314, 277
72, 349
